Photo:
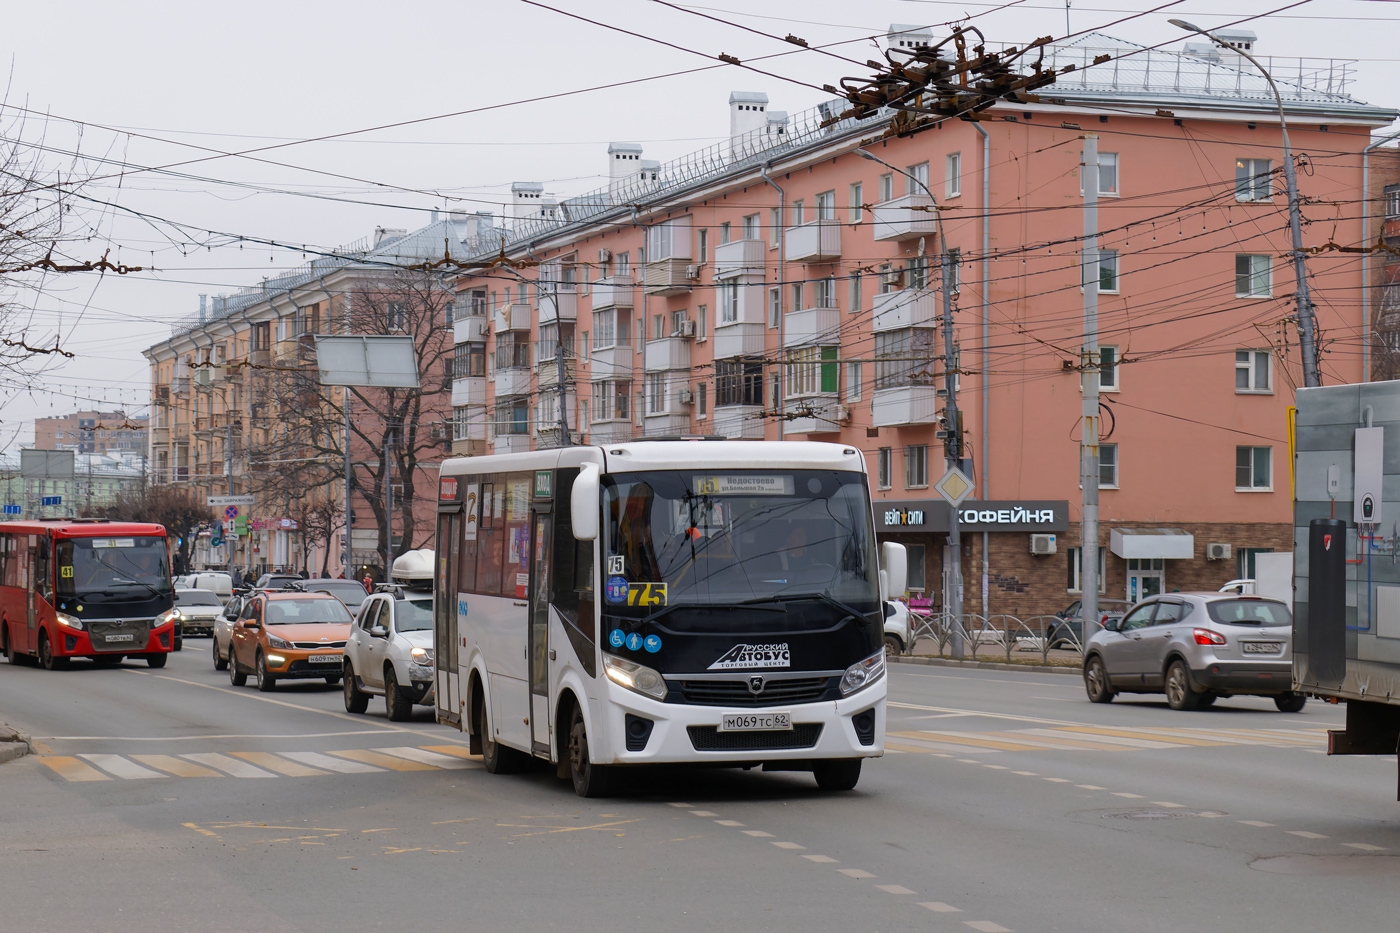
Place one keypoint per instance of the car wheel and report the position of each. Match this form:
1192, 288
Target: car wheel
235, 676
1096, 681
157, 660
1290, 702
1206, 699
589, 780
46, 657
356, 700
893, 646
266, 682
838, 774
1180, 695
396, 703
220, 662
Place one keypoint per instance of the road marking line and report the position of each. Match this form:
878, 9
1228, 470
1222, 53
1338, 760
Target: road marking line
997, 767
121, 767
703, 813
758, 834
384, 761
1305, 834
823, 859
1056, 780
939, 907
1166, 803
969, 761
968, 739
891, 747
1210, 816
175, 766
895, 889
729, 822
1125, 734
273, 763
1129, 796
1048, 739
1364, 847
788, 845
423, 756
202, 738
1102, 737
683, 806
986, 926
239, 769
855, 873
317, 760
456, 751
1026, 773
71, 769
1254, 823
1090, 787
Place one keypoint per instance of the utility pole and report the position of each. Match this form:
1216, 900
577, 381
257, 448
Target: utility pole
1089, 384
231, 538
346, 544
388, 502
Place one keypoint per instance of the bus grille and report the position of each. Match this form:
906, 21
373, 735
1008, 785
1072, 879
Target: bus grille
736, 692
710, 739
100, 631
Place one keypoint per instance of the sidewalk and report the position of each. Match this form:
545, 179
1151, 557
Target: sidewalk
13, 744
1028, 667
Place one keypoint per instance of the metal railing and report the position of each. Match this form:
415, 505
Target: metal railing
996, 637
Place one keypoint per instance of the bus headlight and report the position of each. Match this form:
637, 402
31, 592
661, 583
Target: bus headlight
423, 656
636, 677
166, 617
862, 674
68, 621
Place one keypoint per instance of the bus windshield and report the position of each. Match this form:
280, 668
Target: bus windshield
705, 537
133, 567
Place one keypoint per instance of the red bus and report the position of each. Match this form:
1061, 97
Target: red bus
86, 589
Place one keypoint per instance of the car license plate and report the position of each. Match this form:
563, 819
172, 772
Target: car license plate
324, 658
127, 637
755, 722
1262, 647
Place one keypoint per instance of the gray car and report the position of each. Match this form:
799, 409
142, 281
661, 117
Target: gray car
1195, 648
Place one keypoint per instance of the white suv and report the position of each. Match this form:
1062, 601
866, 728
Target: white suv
390, 653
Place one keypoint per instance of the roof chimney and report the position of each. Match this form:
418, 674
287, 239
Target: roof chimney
904, 36
525, 198
624, 161
748, 114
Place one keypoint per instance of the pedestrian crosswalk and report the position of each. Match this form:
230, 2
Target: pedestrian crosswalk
108, 767
1100, 739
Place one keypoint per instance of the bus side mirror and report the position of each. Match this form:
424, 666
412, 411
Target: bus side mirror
583, 503
896, 562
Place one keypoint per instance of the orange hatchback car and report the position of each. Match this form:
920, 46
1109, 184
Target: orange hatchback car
286, 635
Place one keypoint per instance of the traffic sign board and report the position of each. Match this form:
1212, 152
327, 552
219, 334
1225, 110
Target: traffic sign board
221, 501
954, 486
51, 500
230, 511
13, 509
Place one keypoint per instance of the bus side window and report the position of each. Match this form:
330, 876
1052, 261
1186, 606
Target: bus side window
516, 534
466, 566
5, 565
489, 537
573, 575
43, 570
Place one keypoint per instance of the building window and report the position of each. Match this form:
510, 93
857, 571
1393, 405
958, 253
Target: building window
469, 359
701, 399
811, 370
1108, 369
1108, 271
724, 233
751, 227
1254, 180
916, 272
857, 210
609, 328
887, 186
798, 296
677, 321
853, 381
916, 582
1252, 372
703, 248
904, 358
799, 211
775, 389
1253, 276
952, 175
728, 302
612, 400
658, 326
1108, 175
918, 178
775, 306
1108, 466
624, 264
775, 227
738, 382
1074, 583
1392, 203
656, 393
702, 321
1246, 562
885, 470
955, 269
1254, 468
512, 351
826, 205
855, 281
916, 466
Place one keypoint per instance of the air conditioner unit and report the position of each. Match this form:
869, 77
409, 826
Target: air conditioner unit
1042, 544
687, 329
204, 376
841, 414
692, 271
687, 397
1217, 552
604, 255
483, 328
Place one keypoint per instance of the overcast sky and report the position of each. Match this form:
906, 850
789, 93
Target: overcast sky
151, 84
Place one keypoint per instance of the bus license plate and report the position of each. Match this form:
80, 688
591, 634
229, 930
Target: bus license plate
127, 637
1262, 647
324, 658
755, 722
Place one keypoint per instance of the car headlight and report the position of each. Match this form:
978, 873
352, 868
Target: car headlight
275, 642
863, 673
166, 617
68, 621
421, 655
636, 677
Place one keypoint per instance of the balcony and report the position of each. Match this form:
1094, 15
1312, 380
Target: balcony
162, 395
611, 363
160, 436
812, 325
816, 414
739, 421
285, 352
904, 218
470, 390
512, 317
738, 340
560, 306
510, 443
741, 257
473, 329
668, 277
512, 381
906, 308
666, 424
180, 385
260, 356
819, 241
668, 353
203, 425
615, 291
904, 405
610, 432
549, 372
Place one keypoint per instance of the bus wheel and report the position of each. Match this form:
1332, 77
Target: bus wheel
356, 700
590, 780
10, 654
46, 657
157, 660
495, 757
837, 774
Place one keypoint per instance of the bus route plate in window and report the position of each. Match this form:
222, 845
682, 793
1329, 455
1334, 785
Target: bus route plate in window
718, 484
756, 722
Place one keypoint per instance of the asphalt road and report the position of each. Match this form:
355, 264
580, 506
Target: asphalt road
1007, 802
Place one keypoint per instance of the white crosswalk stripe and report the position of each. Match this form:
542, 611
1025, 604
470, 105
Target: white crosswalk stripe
423, 756
317, 760
122, 767
231, 766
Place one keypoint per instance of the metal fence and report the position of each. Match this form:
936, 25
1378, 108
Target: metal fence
996, 637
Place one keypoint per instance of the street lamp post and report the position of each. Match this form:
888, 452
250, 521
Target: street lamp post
952, 448
1307, 322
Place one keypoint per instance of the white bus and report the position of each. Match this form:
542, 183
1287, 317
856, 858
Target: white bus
677, 601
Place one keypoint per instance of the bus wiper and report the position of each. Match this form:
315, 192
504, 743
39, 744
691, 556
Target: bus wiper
861, 617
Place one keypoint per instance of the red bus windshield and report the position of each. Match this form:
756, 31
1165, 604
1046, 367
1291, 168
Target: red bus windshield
109, 569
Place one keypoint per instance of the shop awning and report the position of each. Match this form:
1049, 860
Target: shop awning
1152, 543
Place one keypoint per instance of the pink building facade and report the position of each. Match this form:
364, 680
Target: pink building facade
782, 286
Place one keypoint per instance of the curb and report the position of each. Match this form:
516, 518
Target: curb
988, 665
13, 744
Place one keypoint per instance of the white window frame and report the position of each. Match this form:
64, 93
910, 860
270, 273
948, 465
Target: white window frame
1105, 158
1250, 366
857, 213
1255, 276
916, 178
916, 466
952, 175
728, 302
884, 469
1115, 382
751, 228
853, 381
887, 187
826, 206
1253, 180
656, 393
775, 305
1108, 258
1113, 462
1253, 457
1076, 570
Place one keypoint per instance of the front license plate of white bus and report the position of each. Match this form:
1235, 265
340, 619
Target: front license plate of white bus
126, 637
755, 722
324, 658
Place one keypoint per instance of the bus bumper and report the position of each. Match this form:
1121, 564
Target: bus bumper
852, 727
70, 642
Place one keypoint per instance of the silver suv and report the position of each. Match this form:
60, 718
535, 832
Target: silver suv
1195, 647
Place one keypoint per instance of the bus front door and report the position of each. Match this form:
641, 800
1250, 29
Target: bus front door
540, 538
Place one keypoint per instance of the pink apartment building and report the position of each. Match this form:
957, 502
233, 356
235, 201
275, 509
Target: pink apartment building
778, 285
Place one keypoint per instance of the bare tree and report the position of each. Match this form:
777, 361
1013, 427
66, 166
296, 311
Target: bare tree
181, 510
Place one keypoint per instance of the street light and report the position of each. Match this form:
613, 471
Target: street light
1307, 323
953, 447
